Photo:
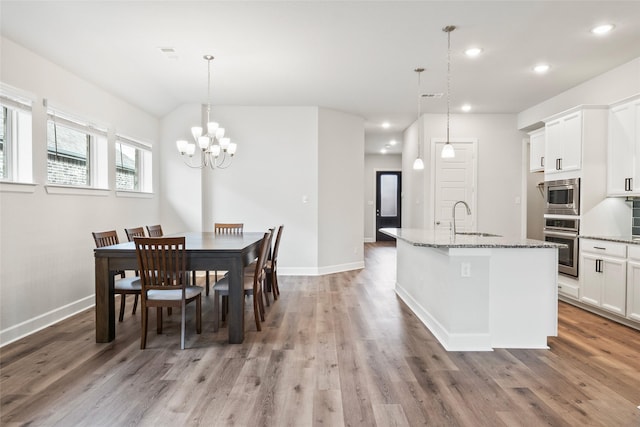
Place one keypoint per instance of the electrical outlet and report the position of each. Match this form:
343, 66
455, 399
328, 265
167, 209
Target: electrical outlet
465, 269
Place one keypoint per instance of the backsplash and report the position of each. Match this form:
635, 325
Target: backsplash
635, 225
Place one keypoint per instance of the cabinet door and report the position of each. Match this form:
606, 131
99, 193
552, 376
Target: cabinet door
571, 158
633, 290
621, 147
614, 287
553, 145
591, 280
636, 145
536, 152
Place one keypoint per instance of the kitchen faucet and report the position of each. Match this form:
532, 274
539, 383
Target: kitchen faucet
453, 213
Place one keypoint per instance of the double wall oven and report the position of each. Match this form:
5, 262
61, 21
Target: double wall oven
562, 221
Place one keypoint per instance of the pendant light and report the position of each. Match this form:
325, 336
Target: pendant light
447, 151
418, 164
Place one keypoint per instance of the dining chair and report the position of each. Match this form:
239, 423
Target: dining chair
134, 232
224, 229
253, 285
163, 272
154, 230
271, 266
124, 285
250, 270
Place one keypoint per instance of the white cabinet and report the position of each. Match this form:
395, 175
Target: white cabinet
633, 283
623, 160
603, 274
563, 143
536, 151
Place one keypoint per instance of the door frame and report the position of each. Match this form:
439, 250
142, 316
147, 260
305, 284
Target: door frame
432, 198
375, 185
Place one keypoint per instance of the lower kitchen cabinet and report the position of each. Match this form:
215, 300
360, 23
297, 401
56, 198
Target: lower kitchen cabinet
604, 275
633, 284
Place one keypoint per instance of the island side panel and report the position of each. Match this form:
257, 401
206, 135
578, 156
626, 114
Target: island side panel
524, 297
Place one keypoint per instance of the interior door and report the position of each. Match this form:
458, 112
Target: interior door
454, 180
388, 190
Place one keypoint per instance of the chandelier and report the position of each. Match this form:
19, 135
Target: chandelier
216, 150
447, 151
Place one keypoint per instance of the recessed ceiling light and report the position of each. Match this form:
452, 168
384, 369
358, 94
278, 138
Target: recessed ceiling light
383, 151
602, 29
541, 68
393, 142
169, 52
386, 125
473, 52
466, 108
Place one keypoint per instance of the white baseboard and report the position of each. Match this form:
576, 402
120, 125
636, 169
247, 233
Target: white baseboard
319, 271
369, 240
30, 326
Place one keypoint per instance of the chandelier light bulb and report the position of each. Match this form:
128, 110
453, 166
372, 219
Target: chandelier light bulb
196, 131
191, 149
182, 146
211, 128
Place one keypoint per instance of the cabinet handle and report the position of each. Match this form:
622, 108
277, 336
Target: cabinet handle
598, 266
542, 161
630, 184
558, 164
600, 247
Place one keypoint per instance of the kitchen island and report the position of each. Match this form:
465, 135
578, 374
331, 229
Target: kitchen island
477, 291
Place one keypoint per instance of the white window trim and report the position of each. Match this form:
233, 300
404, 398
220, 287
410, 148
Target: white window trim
17, 187
76, 190
120, 139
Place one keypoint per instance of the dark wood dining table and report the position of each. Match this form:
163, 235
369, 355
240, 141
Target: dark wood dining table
206, 251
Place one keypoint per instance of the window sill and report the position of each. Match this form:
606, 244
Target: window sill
76, 191
17, 187
134, 194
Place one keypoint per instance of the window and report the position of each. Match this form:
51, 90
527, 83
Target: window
15, 138
73, 150
133, 165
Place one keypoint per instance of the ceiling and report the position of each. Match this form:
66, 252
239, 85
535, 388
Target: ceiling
356, 57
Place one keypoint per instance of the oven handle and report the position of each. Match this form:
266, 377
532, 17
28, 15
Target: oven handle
559, 234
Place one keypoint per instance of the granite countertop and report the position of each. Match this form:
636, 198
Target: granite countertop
443, 239
631, 240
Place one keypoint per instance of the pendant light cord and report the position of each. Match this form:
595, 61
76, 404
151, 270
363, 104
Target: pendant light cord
448, 80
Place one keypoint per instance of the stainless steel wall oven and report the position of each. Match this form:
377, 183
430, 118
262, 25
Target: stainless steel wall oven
563, 229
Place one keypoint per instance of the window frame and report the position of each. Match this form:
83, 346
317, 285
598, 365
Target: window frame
143, 177
96, 143
18, 137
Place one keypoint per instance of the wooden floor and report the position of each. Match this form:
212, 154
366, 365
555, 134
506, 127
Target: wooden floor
335, 350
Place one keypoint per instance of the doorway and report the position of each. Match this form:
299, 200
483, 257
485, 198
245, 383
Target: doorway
388, 191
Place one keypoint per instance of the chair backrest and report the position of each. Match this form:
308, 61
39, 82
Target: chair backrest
105, 238
134, 232
154, 230
274, 256
262, 260
228, 228
162, 262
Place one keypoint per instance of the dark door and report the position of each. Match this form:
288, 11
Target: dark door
388, 189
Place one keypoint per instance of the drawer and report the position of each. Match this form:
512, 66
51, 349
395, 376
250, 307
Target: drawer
634, 252
604, 248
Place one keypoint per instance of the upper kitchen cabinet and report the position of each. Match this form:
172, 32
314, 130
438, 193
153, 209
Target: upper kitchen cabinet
536, 150
623, 160
571, 134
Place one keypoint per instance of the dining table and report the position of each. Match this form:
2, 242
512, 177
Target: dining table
205, 251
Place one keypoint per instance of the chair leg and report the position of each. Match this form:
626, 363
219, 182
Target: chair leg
159, 320
274, 281
143, 337
206, 281
225, 307
123, 298
256, 310
135, 304
216, 311
183, 321
199, 314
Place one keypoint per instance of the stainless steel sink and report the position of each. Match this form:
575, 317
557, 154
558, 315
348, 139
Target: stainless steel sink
475, 233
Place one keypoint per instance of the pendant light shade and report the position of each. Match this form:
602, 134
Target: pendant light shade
418, 164
447, 151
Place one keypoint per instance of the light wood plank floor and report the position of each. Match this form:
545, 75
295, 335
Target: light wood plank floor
335, 350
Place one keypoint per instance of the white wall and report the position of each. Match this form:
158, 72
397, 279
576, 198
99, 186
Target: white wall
614, 85
340, 191
297, 166
499, 170
372, 164
46, 247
